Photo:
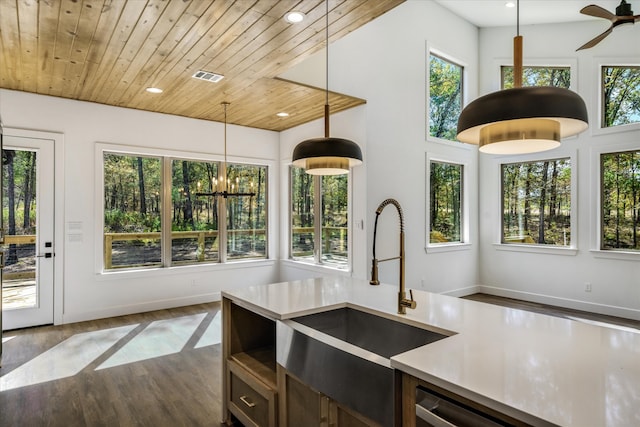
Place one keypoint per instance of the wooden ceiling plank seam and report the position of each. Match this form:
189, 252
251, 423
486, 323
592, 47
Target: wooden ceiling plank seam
148, 49
217, 38
146, 78
98, 46
125, 25
11, 66
243, 44
200, 28
138, 38
28, 30
48, 21
283, 38
67, 24
85, 33
85, 30
276, 60
189, 61
316, 40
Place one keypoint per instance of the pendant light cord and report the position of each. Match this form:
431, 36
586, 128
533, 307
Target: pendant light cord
517, 17
326, 50
517, 51
326, 63
226, 181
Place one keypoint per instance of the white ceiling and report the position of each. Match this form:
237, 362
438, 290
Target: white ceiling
494, 13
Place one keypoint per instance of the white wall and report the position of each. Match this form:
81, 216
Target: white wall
384, 62
548, 276
87, 293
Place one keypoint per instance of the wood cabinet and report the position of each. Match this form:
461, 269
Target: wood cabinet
260, 393
300, 405
249, 364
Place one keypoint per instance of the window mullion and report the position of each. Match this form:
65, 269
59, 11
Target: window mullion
222, 214
165, 215
317, 222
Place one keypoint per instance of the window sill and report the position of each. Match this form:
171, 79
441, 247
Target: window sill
537, 249
613, 254
319, 268
182, 269
453, 144
447, 247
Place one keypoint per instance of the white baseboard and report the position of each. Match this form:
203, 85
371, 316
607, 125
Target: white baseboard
610, 310
122, 310
463, 292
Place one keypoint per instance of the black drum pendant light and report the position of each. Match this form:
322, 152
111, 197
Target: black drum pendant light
523, 119
327, 156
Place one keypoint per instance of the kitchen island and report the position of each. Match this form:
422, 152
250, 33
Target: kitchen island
534, 369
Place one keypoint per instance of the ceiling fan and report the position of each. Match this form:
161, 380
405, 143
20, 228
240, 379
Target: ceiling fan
624, 15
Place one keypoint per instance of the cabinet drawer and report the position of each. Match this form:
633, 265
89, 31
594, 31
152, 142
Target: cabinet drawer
250, 400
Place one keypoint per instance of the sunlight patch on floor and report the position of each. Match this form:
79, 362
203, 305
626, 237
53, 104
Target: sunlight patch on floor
160, 338
213, 334
5, 339
65, 359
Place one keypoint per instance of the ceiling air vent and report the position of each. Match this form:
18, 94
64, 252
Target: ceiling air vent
208, 76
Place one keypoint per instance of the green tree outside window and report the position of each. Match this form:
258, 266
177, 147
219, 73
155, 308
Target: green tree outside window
620, 177
445, 216
620, 95
536, 202
445, 97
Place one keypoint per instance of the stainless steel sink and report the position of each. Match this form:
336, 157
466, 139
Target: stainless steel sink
344, 353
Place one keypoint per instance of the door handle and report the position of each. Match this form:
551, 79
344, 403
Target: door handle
45, 255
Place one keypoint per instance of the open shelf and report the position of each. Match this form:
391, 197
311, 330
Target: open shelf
261, 362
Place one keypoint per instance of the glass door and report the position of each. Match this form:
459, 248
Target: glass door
28, 194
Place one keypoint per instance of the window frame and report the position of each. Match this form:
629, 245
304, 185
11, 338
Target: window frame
598, 95
431, 51
317, 261
465, 235
546, 66
166, 158
596, 191
572, 63
557, 153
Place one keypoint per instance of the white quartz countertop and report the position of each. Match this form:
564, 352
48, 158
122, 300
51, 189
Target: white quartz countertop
541, 369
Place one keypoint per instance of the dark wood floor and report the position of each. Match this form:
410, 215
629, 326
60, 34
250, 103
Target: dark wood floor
553, 310
179, 389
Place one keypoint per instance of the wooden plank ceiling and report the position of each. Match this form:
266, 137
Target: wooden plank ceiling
109, 51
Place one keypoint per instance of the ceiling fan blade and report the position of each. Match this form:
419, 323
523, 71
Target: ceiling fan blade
595, 40
597, 11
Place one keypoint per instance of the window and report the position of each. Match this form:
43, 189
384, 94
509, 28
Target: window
445, 211
247, 215
538, 76
319, 218
620, 95
536, 202
445, 97
620, 178
194, 220
137, 222
132, 188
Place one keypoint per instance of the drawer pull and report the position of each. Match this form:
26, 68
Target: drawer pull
247, 402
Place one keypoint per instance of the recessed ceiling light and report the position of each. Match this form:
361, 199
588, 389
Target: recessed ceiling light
282, 114
208, 76
154, 90
294, 17
510, 4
